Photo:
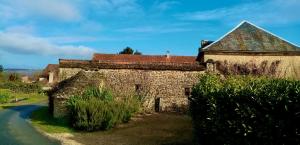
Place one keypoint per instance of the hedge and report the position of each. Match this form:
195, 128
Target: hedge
21, 87
245, 110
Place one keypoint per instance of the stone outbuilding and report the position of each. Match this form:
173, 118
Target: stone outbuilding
50, 73
164, 82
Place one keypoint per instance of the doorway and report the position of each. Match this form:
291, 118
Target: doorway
157, 104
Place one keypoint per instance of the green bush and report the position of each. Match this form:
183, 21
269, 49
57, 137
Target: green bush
246, 110
5, 96
97, 109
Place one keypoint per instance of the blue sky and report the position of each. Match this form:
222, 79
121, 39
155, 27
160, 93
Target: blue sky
34, 33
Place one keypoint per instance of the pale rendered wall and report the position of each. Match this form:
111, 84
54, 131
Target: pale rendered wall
289, 66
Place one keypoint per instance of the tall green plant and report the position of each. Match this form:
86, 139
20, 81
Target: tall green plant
96, 109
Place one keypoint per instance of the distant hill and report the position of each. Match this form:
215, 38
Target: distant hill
28, 72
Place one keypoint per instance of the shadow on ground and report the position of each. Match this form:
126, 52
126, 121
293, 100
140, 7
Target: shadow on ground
43, 117
155, 129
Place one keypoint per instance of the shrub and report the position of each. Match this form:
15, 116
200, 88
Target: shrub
97, 109
246, 110
5, 96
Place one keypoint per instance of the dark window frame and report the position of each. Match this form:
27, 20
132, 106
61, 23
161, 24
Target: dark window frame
187, 91
138, 88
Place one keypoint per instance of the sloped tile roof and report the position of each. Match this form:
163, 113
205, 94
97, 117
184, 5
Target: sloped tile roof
128, 58
250, 38
51, 68
94, 65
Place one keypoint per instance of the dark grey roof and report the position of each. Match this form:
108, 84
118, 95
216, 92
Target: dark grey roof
251, 38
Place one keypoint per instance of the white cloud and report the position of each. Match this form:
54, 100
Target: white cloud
165, 5
55, 9
263, 12
115, 7
154, 29
79, 39
18, 43
20, 29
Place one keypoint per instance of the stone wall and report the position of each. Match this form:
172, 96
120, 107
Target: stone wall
169, 86
289, 66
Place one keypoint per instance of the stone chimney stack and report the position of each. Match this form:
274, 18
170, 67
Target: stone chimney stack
205, 43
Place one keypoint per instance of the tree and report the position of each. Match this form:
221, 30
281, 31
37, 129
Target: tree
137, 53
127, 50
14, 77
1, 74
1, 69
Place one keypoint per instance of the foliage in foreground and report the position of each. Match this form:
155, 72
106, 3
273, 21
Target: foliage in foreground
246, 110
98, 109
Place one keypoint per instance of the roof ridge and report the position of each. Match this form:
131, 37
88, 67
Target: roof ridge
144, 55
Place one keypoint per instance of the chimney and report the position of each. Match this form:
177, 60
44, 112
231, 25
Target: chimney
205, 43
168, 54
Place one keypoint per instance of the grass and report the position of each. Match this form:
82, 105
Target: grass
43, 120
25, 99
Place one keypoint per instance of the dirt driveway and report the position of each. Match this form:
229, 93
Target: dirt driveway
155, 129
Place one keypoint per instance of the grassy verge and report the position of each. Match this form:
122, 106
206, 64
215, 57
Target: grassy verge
42, 120
25, 99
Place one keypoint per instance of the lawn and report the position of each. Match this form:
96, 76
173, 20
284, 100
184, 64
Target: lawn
42, 119
24, 99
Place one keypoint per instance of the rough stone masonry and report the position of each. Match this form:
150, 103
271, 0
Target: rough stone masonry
164, 82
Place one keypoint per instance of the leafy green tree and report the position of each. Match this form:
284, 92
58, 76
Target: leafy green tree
137, 53
127, 50
1, 68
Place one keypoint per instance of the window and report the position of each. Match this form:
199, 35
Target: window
187, 92
138, 88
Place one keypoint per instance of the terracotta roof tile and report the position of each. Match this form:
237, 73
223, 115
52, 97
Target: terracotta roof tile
94, 65
128, 58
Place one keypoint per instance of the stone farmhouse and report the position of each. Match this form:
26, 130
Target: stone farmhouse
165, 81
50, 74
